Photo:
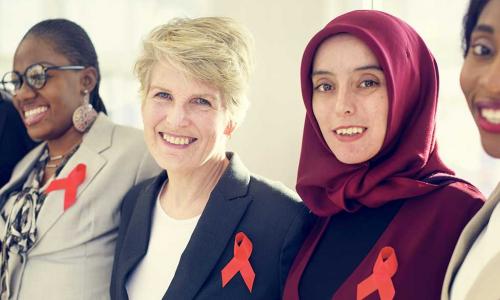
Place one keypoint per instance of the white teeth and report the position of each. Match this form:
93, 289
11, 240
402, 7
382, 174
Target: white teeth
35, 111
492, 115
176, 140
350, 131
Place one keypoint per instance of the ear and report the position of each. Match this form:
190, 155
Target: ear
88, 79
230, 127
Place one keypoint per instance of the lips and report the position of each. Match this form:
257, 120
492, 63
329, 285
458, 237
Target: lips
177, 140
34, 114
349, 130
488, 113
349, 133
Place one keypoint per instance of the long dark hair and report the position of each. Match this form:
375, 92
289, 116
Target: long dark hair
71, 40
470, 21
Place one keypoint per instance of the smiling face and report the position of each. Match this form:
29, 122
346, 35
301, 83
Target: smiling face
349, 98
47, 113
185, 122
480, 77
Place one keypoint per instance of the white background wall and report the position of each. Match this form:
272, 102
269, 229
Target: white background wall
269, 139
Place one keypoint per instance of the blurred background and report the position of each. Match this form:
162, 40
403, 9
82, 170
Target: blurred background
269, 139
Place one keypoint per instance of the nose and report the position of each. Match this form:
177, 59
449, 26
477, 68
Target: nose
177, 116
490, 79
24, 92
344, 104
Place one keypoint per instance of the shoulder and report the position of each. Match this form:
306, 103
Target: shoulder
276, 206
455, 203
130, 198
132, 132
460, 194
122, 139
273, 194
128, 135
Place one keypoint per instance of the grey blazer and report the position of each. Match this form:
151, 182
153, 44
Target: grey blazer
73, 255
487, 285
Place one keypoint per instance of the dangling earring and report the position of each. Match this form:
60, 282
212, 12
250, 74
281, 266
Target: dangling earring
84, 115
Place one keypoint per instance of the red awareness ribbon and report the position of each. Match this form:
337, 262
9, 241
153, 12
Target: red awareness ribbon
240, 263
384, 269
69, 185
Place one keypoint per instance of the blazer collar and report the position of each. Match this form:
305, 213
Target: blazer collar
96, 140
211, 236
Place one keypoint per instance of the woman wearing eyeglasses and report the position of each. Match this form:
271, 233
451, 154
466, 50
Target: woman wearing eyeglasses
60, 210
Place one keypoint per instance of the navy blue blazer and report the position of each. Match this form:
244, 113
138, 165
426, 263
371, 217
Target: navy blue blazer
270, 215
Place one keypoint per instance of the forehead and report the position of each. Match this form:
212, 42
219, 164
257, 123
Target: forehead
165, 75
491, 14
343, 52
36, 50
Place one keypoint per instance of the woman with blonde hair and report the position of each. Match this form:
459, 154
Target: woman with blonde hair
206, 228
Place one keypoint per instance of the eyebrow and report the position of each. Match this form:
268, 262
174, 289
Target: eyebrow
484, 28
157, 87
362, 68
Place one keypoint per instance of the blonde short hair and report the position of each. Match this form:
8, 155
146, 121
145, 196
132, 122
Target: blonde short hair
214, 50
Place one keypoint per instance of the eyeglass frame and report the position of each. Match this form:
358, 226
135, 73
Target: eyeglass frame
23, 78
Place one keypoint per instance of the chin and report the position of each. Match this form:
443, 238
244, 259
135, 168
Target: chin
491, 144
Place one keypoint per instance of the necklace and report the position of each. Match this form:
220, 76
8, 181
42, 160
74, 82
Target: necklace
63, 158
52, 158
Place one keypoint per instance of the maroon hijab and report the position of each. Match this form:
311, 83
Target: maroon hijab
409, 153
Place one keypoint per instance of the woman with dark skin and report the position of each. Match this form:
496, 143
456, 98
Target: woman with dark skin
59, 212
474, 270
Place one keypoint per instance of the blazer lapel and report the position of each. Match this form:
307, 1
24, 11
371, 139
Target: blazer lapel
214, 232
467, 238
136, 237
486, 284
94, 142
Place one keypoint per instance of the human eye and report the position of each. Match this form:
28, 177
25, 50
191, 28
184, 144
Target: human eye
323, 87
36, 75
368, 83
480, 49
163, 96
202, 101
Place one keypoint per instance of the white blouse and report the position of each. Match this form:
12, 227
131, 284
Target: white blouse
169, 237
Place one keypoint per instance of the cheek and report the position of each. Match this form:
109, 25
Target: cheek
380, 113
152, 114
320, 112
467, 79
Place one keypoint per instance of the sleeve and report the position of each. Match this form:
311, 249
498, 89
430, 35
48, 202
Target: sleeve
297, 232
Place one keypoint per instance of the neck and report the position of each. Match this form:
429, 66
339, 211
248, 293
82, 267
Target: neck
65, 143
186, 194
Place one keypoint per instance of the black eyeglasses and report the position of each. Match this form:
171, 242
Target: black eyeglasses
35, 76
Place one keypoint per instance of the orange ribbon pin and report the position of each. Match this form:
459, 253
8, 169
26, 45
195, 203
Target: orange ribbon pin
384, 269
240, 262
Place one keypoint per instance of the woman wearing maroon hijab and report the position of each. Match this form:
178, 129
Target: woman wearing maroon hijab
390, 210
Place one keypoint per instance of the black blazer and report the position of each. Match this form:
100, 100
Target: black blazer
14, 141
267, 212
